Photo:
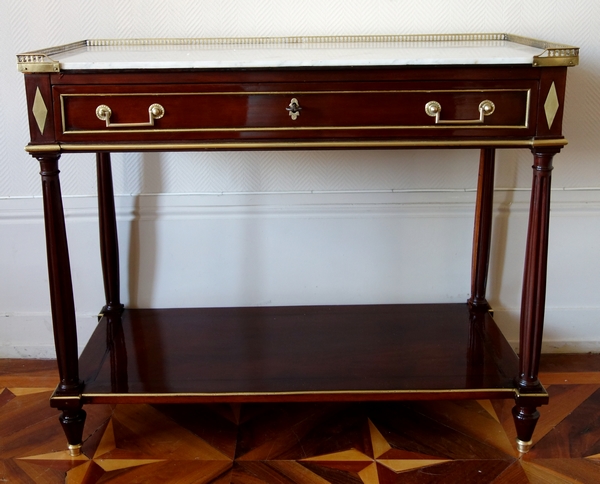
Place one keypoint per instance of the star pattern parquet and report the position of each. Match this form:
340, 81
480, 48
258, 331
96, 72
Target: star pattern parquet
362, 443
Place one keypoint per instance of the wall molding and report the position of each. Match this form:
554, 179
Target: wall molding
415, 202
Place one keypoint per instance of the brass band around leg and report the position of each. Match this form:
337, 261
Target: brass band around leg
523, 446
75, 450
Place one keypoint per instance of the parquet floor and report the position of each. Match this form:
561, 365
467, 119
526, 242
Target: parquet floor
437, 442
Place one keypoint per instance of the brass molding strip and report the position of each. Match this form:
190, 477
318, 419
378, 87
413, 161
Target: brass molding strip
262, 145
77, 397
84, 395
295, 393
554, 54
518, 393
532, 395
42, 148
288, 93
294, 128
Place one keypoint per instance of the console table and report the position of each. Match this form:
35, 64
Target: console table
480, 91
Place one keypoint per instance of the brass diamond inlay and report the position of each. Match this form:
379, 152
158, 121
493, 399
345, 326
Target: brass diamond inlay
551, 105
40, 111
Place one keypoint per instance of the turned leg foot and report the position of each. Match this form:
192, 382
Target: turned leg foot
72, 422
525, 420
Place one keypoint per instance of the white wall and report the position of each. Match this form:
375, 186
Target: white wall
300, 228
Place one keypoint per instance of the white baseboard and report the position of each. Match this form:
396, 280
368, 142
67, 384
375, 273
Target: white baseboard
566, 330
30, 335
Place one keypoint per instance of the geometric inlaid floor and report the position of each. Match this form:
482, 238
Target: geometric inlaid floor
362, 443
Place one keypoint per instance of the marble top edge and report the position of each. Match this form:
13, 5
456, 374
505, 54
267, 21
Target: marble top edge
367, 48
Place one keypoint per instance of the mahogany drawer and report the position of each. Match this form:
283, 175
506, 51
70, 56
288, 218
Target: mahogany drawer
169, 112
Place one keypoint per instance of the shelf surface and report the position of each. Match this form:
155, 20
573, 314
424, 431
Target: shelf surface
298, 353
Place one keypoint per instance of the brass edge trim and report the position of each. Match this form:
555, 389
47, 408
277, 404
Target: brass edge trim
533, 395
62, 113
527, 108
49, 66
519, 394
42, 148
74, 449
293, 128
554, 54
336, 39
549, 142
522, 446
293, 393
288, 93
298, 144
73, 397
307, 39
304, 144
41, 60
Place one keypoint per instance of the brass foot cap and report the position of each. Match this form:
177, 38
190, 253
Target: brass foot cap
523, 446
75, 450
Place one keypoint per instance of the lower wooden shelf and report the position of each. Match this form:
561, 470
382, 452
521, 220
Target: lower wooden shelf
300, 353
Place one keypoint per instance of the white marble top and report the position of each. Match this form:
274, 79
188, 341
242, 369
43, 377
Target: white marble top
313, 54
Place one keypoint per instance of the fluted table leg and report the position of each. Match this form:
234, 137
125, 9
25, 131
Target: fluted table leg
531, 393
67, 394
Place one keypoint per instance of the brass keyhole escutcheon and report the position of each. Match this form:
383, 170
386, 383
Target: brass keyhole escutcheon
294, 109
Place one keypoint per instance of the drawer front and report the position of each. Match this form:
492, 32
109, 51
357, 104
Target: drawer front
169, 112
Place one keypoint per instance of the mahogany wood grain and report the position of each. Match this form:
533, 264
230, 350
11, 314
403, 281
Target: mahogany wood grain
533, 300
72, 417
33, 83
534, 278
59, 273
331, 98
109, 243
205, 112
319, 352
558, 78
482, 234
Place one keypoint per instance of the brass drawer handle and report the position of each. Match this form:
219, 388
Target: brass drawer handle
434, 109
294, 109
155, 111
